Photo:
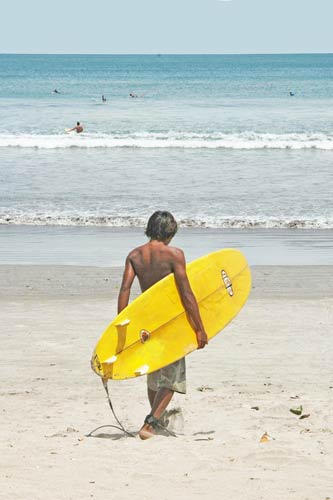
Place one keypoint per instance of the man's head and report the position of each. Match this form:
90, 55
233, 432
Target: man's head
78, 124
161, 226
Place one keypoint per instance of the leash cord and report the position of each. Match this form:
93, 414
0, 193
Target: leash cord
121, 427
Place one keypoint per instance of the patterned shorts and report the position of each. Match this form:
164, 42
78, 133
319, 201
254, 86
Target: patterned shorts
171, 377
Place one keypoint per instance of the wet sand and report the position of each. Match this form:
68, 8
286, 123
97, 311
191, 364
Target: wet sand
276, 355
109, 246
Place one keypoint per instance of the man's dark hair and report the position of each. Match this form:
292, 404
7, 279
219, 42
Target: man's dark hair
161, 226
77, 123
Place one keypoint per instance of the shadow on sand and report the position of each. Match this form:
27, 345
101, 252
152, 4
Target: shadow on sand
114, 436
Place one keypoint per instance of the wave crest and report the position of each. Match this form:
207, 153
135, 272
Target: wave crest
216, 140
128, 222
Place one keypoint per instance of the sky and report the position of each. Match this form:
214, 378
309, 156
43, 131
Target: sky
166, 26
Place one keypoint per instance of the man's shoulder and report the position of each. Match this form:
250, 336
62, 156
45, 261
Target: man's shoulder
175, 249
176, 252
136, 251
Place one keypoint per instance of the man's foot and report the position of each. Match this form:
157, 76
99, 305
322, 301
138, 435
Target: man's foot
149, 427
146, 432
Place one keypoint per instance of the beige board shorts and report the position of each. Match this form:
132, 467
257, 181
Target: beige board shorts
171, 377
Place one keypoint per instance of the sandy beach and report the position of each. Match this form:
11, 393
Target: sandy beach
276, 355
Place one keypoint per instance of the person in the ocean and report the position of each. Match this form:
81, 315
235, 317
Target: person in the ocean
103, 98
55, 91
150, 263
78, 128
291, 93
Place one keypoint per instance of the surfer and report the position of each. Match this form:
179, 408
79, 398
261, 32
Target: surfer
135, 96
103, 98
78, 128
151, 262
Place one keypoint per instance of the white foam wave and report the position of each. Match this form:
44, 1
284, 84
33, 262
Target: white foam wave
207, 222
218, 140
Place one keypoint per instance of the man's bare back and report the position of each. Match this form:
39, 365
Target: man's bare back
153, 261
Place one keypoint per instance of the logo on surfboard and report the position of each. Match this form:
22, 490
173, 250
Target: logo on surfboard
144, 336
227, 283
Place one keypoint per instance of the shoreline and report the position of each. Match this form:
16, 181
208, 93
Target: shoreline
107, 246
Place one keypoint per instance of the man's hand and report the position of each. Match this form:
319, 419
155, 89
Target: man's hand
202, 339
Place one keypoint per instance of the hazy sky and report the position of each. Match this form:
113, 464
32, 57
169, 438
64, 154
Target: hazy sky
169, 26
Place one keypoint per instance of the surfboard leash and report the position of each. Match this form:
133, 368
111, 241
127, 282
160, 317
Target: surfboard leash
120, 426
157, 424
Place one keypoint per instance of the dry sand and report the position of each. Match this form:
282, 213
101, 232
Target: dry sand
276, 355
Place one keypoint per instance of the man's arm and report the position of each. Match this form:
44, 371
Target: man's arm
125, 288
188, 299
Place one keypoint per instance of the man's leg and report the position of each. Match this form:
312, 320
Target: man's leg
158, 406
161, 401
151, 396
165, 381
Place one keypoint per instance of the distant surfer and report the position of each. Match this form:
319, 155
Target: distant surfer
151, 262
136, 96
291, 93
78, 128
55, 91
103, 98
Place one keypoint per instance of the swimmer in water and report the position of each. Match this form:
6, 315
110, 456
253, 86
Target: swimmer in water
78, 128
133, 95
103, 98
55, 91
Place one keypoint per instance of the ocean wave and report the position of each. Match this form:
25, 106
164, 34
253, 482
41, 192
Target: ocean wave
137, 222
217, 140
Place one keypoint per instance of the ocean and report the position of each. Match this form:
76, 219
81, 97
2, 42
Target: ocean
216, 139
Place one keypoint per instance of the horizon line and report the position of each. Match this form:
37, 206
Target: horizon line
162, 53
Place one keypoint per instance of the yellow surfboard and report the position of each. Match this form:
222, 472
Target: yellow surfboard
153, 330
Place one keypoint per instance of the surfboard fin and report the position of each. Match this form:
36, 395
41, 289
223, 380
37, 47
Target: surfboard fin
111, 360
142, 370
123, 323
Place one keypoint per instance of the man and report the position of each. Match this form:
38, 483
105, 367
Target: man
78, 128
150, 263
